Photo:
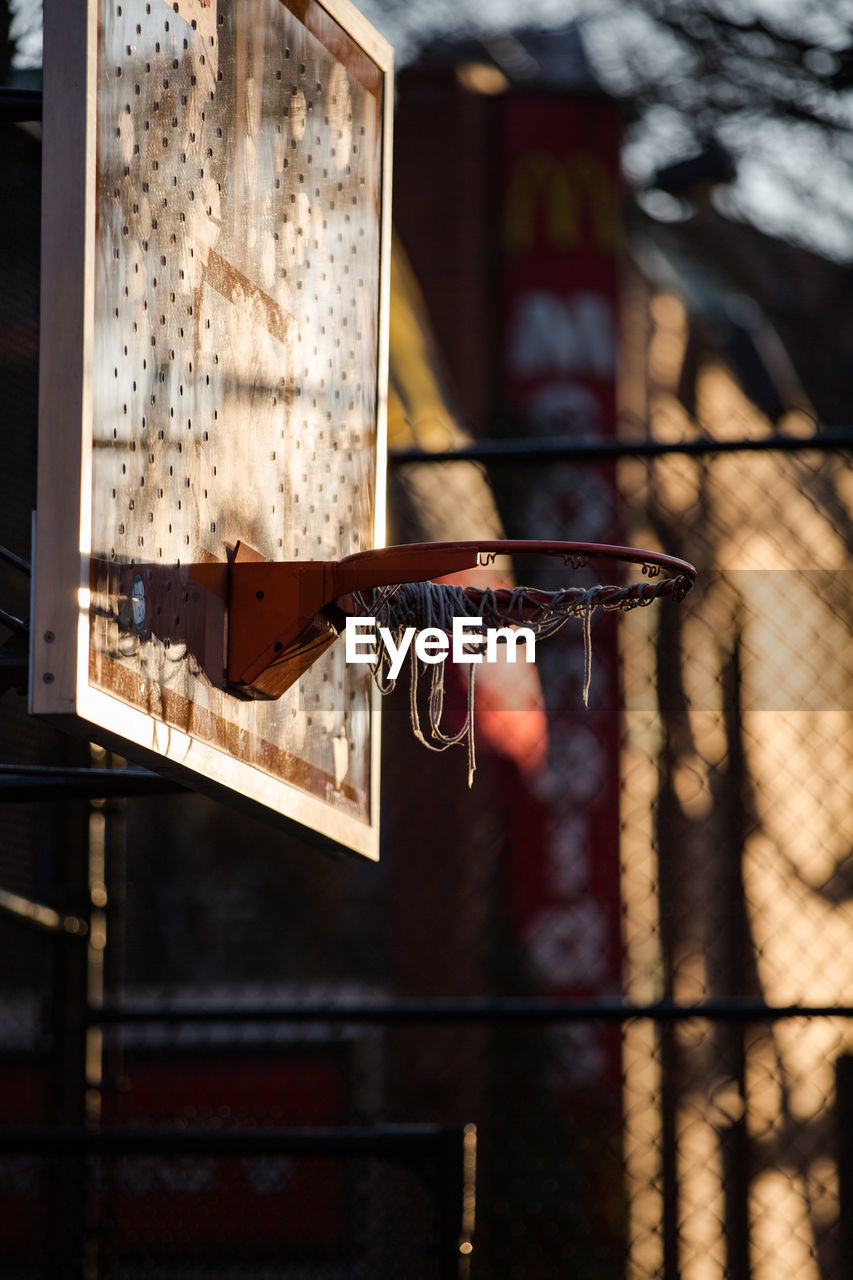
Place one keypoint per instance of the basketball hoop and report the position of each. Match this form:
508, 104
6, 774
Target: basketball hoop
282, 616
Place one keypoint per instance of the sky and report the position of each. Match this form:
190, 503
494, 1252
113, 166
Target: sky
793, 180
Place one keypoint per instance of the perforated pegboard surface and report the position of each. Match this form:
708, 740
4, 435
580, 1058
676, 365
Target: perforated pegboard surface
235, 354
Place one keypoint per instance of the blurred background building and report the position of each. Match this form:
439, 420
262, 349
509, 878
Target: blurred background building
574, 356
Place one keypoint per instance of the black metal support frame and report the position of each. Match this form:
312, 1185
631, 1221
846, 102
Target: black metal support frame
439, 1155
564, 449
20, 105
521, 1010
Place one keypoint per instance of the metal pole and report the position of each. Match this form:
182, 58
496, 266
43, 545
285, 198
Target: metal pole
66, 1248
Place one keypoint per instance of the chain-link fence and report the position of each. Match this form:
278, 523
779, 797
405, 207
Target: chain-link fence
197, 996
268, 987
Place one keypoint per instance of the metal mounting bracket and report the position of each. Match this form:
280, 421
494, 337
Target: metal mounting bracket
283, 615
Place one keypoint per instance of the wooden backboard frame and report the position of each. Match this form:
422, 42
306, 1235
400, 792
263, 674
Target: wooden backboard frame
60, 683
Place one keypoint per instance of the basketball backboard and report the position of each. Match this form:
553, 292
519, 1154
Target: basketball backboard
213, 372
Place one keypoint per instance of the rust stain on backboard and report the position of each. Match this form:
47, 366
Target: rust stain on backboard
239, 290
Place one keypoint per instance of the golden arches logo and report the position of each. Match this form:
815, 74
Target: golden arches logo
561, 189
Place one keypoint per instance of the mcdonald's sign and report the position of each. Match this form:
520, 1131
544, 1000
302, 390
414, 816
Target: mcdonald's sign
559, 223
564, 200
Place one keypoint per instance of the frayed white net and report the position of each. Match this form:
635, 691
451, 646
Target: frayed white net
411, 607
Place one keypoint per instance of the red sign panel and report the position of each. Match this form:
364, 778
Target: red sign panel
560, 234
561, 229
205, 1207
